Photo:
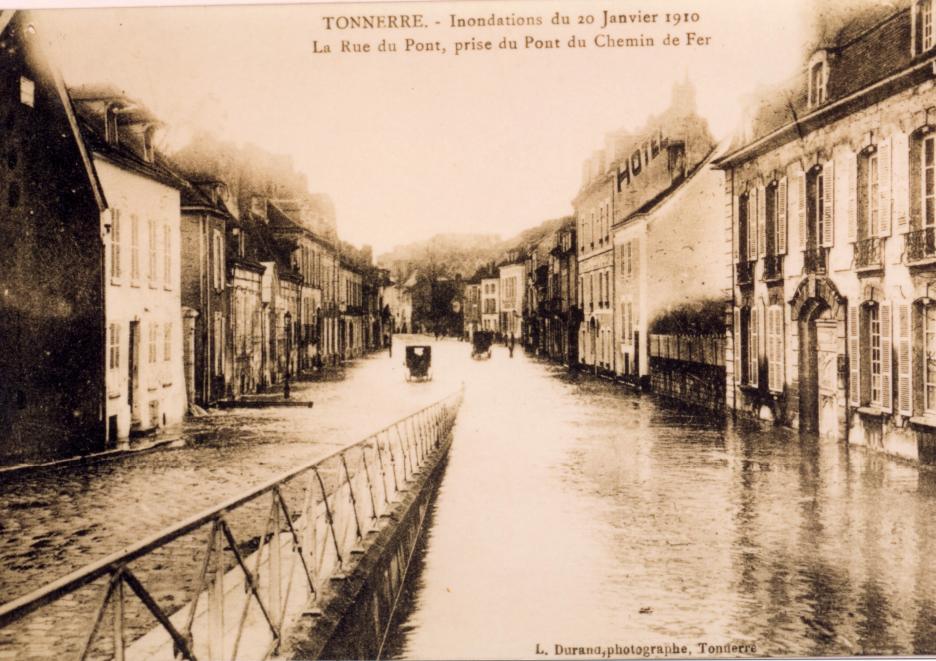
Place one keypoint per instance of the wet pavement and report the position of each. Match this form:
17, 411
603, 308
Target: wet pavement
573, 512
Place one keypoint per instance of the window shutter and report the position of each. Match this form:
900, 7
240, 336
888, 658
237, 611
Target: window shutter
854, 362
771, 334
781, 216
752, 225
900, 180
884, 187
761, 222
801, 208
904, 374
737, 345
851, 173
886, 369
735, 225
753, 346
828, 204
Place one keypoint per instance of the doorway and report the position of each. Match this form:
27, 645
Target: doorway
133, 374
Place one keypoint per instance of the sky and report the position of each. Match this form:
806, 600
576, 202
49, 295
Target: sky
411, 145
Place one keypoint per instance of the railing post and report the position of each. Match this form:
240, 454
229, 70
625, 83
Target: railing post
370, 486
119, 621
276, 569
216, 606
383, 472
357, 521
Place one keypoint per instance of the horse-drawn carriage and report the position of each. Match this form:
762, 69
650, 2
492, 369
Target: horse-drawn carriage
481, 343
418, 362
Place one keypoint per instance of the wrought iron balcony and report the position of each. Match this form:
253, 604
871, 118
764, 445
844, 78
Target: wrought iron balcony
921, 245
773, 268
869, 253
745, 272
815, 260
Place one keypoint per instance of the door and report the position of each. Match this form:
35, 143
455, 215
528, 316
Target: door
133, 376
808, 378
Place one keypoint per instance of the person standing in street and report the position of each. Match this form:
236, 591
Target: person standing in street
510, 345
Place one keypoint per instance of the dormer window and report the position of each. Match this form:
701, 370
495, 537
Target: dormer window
149, 148
111, 133
818, 73
924, 36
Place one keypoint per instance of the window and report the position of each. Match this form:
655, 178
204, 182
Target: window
218, 342
745, 231
152, 252
928, 181
113, 360
869, 345
816, 84
27, 92
167, 255
153, 335
775, 348
868, 202
167, 342
873, 316
217, 260
924, 27
753, 347
111, 133
929, 357
115, 244
134, 248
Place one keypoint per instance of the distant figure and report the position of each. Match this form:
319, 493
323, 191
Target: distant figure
510, 345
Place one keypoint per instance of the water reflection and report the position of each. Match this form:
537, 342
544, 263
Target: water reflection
575, 512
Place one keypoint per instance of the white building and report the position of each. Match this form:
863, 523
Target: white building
490, 304
512, 295
141, 231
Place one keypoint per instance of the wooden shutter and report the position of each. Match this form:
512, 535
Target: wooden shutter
854, 360
781, 216
761, 222
752, 225
753, 346
735, 225
904, 348
737, 345
801, 208
771, 348
828, 204
851, 174
886, 369
884, 187
900, 180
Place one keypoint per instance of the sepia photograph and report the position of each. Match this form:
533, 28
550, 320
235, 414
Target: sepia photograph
467, 329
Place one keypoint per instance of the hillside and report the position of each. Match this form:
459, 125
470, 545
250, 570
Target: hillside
459, 254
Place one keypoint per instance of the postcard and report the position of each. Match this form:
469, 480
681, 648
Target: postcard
479, 329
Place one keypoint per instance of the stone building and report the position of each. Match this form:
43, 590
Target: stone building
512, 288
666, 229
53, 221
830, 204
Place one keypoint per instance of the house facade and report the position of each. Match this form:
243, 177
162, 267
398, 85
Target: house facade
490, 303
52, 350
142, 293
593, 214
512, 288
830, 195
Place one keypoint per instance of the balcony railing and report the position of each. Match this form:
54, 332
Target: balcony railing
868, 253
745, 271
921, 245
773, 268
814, 260
272, 551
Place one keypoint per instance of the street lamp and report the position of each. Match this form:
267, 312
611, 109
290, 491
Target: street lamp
287, 321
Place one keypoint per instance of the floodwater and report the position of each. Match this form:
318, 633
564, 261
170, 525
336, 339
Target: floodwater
577, 514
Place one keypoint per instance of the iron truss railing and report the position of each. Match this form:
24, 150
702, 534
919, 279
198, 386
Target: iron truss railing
244, 568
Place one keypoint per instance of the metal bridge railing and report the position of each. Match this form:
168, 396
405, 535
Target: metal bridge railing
244, 568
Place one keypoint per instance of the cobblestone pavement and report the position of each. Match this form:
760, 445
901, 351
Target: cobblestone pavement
56, 520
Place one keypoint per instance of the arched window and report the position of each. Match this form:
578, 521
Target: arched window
818, 78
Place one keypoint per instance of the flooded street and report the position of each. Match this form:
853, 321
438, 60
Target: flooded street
573, 513
578, 514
